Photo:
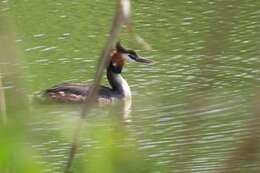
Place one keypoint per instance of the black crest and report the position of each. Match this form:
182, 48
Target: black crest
120, 48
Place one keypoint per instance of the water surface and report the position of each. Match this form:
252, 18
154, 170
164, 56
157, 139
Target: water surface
62, 41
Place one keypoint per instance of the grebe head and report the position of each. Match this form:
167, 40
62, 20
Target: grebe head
130, 55
122, 55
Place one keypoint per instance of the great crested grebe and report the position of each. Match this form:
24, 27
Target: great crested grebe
77, 92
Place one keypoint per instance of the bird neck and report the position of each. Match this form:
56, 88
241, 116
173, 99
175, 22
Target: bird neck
117, 82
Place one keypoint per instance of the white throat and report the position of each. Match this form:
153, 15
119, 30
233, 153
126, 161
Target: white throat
127, 58
124, 84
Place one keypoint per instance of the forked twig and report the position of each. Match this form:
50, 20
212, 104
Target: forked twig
123, 13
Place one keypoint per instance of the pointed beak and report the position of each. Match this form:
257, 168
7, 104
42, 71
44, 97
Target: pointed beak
143, 60
140, 59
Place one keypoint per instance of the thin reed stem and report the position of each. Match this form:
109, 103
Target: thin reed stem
123, 14
91, 99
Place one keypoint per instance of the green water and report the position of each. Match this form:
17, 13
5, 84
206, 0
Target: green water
62, 41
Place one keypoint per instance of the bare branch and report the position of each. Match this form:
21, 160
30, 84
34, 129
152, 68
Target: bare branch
122, 13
